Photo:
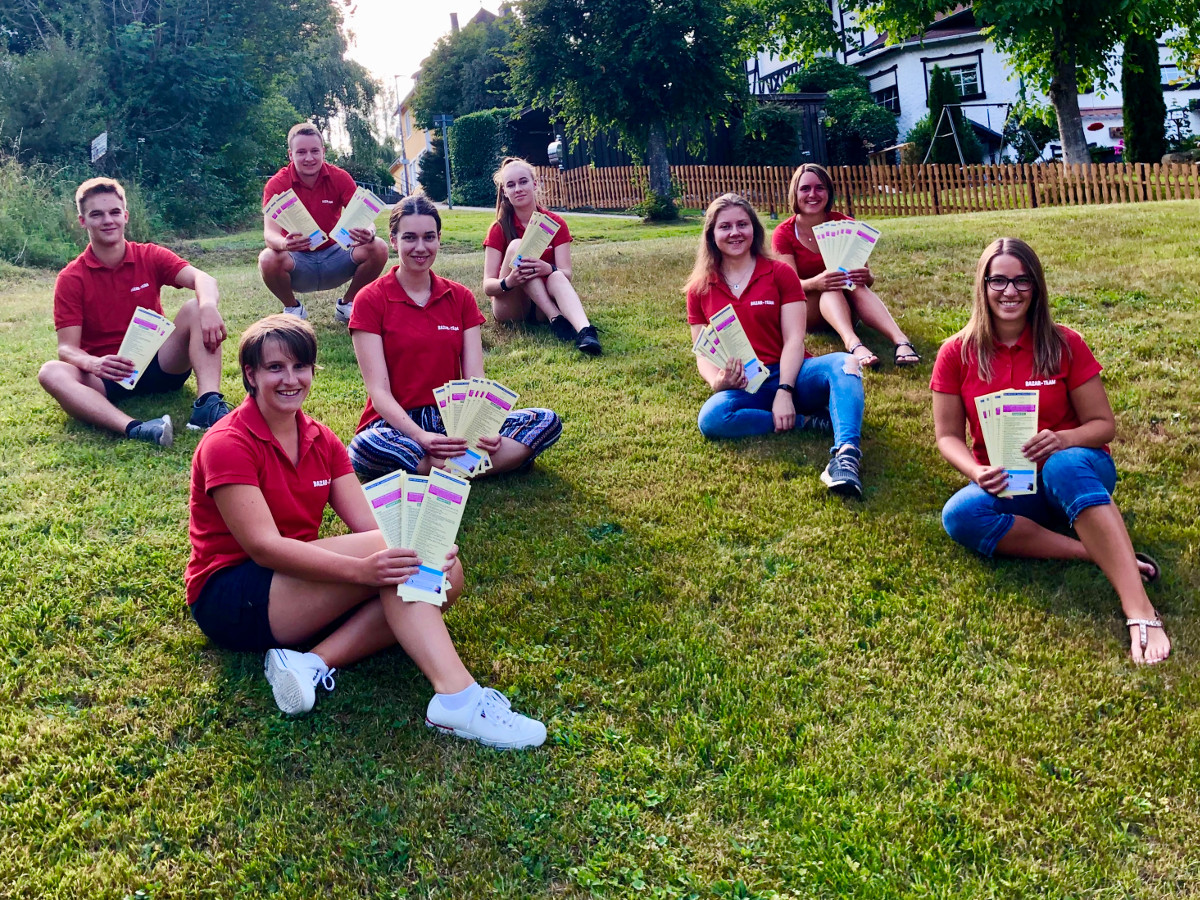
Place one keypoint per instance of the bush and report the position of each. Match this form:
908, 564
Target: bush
1029, 128
855, 126
478, 141
770, 136
941, 92
654, 208
38, 223
822, 75
432, 166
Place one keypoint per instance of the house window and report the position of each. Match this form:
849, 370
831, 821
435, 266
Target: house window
966, 79
888, 98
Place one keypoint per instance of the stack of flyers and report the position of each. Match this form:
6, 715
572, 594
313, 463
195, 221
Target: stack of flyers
722, 340
845, 244
360, 212
143, 338
472, 408
538, 234
286, 211
1009, 420
421, 514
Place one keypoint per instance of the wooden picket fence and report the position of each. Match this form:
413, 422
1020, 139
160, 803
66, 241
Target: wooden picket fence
890, 190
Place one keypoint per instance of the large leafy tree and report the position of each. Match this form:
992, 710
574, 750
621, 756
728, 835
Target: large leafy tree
1145, 110
465, 73
643, 70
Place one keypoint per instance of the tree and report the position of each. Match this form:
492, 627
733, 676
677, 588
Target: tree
855, 124
1145, 110
643, 70
466, 72
942, 92
1052, 44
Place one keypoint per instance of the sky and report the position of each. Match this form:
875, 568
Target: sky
391, 38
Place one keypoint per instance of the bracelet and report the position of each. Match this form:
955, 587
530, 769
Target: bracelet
504, 285
553, 268
787, 388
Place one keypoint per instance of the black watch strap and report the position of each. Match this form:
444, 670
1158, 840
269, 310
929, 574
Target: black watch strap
790, 388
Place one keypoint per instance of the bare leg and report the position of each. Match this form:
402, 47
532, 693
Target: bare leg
185, 349
81, 396
530, 292
371, 259
835, 309
564, 295
276, 267
422, 634
511, 455
874, 314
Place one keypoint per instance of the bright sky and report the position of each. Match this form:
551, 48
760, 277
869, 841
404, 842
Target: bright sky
391, 38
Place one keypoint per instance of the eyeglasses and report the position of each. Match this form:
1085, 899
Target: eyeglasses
999, 283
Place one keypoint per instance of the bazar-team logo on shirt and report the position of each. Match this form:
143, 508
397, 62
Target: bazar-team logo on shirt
447, 328
323, 482
762, 302
139, 287
1045, 383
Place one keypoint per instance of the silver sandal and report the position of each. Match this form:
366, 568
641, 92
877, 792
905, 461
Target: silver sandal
1142, 625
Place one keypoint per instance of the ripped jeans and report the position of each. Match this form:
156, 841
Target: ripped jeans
827, 385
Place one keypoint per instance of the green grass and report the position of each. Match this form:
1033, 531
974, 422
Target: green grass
753, 689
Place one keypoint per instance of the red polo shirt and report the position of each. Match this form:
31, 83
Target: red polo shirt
102, 300
495, 236
240, 449
325, 200
785, 243
421, 345
772, 285
1012, 369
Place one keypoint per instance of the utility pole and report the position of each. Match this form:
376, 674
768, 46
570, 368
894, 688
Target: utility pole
446, 121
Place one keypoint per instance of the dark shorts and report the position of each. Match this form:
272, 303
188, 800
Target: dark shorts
153, 381
232, 608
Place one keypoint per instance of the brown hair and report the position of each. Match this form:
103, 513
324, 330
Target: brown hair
708, 257
306, 128
978, 337
94, 186
296, 335
416, 204
504, 210
821, 173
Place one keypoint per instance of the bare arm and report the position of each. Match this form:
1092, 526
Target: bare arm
350, 503
472, 353
950, 428
562, 259
492, 260
277, 239
212, 326
110, 368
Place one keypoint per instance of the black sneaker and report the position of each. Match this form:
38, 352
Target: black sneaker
813, 423
587, 342
208, 414
841, 475
562, 329
156, 431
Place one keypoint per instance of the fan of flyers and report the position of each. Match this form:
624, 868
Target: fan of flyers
845, 244
723, 339
1009, 420
286, 211
472, 408
538, 234
144, 337
420, 513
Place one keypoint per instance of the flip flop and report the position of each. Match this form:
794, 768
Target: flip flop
911, 358
863, 361
1150, 560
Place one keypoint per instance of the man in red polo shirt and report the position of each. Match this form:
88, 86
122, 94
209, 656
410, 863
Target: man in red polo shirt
95, 297
289, 265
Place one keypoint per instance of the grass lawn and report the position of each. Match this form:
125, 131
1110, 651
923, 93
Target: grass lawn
753, 689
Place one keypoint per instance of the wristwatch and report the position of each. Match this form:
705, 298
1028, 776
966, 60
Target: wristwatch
790, 388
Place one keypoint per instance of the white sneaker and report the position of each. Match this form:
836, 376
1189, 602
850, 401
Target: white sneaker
298, 310
294, 678
489, 720
341, 311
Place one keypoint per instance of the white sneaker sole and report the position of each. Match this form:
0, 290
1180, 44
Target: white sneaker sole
845, 488
471, 736
167, 438
288, 689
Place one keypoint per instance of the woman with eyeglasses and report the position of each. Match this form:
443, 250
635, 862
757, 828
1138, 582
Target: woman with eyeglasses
1011, 343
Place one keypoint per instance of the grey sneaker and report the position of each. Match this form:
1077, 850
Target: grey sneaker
294, 677
209, 414
157, 431
841, 475
298, 310
341, 311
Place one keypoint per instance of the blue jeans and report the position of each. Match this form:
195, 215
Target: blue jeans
824, 386
1071, 480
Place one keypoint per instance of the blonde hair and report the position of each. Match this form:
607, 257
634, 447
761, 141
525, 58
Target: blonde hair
94, 186
308, 129
978, 336
708, 257
504, 209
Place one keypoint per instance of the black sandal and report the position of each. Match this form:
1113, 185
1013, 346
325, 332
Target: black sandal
1150, 560
911, 358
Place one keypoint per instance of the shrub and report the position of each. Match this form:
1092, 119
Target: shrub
432, 165
654, 208
1145, 110
822, 75
770, 136
478, 141
855, 126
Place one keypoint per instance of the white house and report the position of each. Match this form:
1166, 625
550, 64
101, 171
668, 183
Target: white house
898, 76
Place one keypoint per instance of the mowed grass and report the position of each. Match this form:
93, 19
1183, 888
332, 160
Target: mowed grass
753, 689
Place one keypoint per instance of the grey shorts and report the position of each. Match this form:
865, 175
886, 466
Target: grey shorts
322, 270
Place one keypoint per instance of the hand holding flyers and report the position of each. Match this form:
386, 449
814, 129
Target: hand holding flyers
724, 339
361, 212
538, 234
1009, 420
286, 211
474, 410
144, 337
845, 244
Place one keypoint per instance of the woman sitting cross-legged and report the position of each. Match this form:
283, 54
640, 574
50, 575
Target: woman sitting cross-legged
835, 298
802, 391
260, 579
413, 331
1010, 342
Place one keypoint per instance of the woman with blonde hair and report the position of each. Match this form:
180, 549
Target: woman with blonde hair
836, 298
1011, 343
537, 289
802, 391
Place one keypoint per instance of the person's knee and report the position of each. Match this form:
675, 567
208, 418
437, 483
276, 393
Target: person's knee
374, 254
711, 420
274, 262
55, 376
962, 518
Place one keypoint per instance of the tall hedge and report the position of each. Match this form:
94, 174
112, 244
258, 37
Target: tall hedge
1145, 110
478, 141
